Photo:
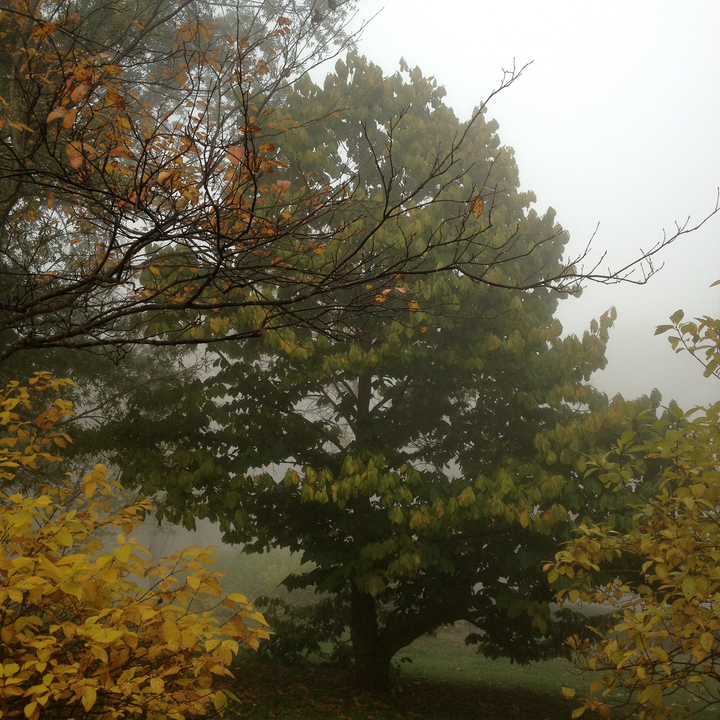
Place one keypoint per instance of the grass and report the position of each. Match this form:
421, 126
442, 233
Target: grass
446, 680
447, 657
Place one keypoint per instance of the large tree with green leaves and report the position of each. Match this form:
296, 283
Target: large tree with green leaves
402, 459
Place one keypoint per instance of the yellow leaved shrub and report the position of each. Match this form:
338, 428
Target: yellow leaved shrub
94, 631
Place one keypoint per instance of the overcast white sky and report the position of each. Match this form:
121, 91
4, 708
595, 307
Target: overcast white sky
616, 122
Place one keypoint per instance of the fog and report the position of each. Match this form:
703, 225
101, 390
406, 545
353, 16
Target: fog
614, 123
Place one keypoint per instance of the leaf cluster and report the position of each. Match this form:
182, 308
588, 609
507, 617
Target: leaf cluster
95, 631
662, 648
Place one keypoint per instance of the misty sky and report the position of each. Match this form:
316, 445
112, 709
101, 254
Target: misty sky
616, 122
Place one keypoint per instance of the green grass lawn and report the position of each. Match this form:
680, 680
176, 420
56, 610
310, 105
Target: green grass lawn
447, 657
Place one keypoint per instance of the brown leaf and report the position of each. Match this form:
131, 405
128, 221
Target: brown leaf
74, 152
476, 205
56, 113
120, 151
69, 118
235, 154
43, 29
83, 75
79, 93
114, 99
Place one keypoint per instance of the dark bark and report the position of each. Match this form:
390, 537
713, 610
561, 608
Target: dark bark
371, 666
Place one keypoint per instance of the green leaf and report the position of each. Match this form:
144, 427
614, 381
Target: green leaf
660, 329
677, 316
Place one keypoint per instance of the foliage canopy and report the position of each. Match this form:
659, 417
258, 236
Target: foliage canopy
416, 481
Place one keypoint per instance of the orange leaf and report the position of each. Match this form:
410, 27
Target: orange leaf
69, 118
283, 184
56, 113
79, 93
83, 75
43, 29
114, 99
112, 69
120, 151
476, 206
235, 154
74, 151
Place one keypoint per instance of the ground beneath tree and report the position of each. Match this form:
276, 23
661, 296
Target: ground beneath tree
275, 691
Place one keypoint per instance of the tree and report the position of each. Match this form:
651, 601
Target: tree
77, 633
148, 185
415, 481
659, 658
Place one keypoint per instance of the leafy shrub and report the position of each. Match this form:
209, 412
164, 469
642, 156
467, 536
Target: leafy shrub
87, 631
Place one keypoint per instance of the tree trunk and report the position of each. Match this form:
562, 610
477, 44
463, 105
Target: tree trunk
372, 664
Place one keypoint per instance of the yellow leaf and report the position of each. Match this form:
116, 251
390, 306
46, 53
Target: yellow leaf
171, 633
10, 669
123, 553
688, 588
193, 581
568, 692
652, 694
64, 538
577, 712
219, 700
71, 588
29, 709
89, 697
476, 205
706, 641
106, 635
157, 685
237, 597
